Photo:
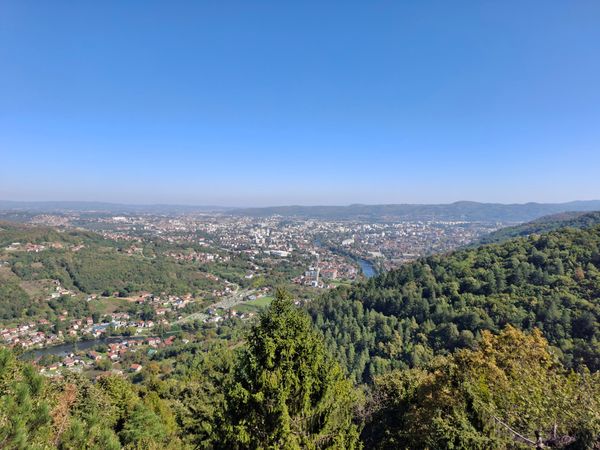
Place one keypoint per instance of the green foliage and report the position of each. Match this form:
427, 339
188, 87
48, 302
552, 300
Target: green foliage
25, 420
101, 266
483, 399
96, 269
89, 416
544, 225
143, 429
287, 392
71, 412
441, 303
14, 301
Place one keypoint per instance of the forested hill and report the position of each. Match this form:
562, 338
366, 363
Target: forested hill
575, 219
469, 211
17, 232
34, 259
435, 305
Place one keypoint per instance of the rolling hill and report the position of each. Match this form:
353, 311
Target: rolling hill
544, 224
458, 211
34, 260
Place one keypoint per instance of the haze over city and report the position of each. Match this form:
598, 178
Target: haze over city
271, 103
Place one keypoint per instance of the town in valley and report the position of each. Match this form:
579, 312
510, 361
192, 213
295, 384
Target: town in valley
241, 259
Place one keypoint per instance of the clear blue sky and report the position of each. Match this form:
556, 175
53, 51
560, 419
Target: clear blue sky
260, 103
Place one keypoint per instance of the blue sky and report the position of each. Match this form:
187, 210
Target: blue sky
268, 103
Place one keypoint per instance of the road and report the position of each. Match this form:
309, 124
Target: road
236, 297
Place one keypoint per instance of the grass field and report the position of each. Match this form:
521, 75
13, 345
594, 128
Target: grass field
337, 283
107, 305
254, 305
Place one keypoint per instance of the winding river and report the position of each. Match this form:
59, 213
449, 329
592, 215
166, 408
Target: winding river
367, 267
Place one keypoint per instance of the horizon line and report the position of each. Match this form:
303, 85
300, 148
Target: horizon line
289, 205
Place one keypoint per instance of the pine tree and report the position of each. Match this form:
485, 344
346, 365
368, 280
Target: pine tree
25, 418
287, 391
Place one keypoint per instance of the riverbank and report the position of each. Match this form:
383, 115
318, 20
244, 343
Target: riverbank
72, 347
367, 267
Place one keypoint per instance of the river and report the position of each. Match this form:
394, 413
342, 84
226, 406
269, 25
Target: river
367, 267
66, 349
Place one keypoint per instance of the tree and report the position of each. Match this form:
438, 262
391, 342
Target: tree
509, 389
25, 418
287, 391
143, 429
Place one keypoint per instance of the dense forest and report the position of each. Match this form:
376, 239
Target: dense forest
438, 304
543, 225
279, 387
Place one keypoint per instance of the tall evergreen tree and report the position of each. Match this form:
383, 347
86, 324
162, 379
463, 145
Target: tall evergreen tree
287, 391
25, 420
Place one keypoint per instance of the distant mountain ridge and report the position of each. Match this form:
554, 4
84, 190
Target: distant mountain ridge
458, 211
463, 210
104, 207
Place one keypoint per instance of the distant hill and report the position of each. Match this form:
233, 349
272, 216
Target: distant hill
469, 211
574, 219
85, 263
103, 207
458, 211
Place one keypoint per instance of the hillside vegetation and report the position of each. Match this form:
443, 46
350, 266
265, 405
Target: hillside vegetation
543, 225
441, 303
83, 262
280, 388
